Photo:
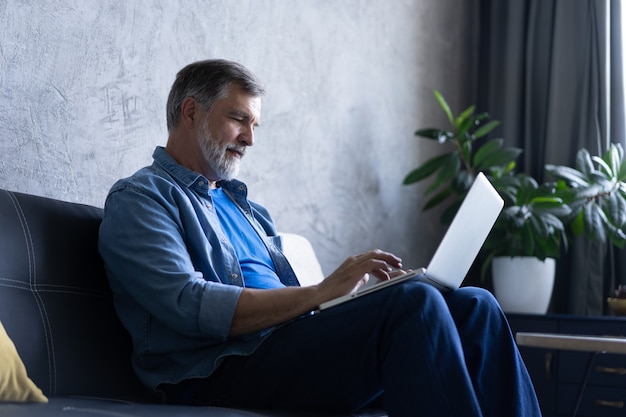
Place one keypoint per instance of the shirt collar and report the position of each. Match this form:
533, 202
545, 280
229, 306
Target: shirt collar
191, 178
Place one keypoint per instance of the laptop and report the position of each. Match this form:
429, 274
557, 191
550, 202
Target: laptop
458, 248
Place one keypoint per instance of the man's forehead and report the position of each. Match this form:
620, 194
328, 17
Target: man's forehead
244, 103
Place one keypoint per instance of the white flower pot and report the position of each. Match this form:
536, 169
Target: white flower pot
523, 284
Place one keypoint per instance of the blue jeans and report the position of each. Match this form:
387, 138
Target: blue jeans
430, 353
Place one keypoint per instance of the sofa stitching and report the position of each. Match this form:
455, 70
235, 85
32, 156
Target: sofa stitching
32, 282
19, 287
20, 217
36, 291
16, 283
51, 288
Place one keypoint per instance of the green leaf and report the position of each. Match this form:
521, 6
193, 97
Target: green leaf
577, 226
594, 227
480, 117
618, 239
465, 115
619, 149
589, 192
449, 167
546, 203
548, 247
552, 222
502, 157
463, 128
621, 171
569, 175
485, 129
539, 228
486, 149
444, 106
427, 169
584, 162
561, 211
604, 167
546, 235
614, 207
621, 175
508, 168
462, 182
613, 158
436, 134
617, 236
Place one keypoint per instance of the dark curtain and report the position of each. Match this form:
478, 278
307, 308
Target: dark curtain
551, 72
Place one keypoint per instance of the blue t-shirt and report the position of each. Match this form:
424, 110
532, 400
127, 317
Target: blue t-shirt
256, 265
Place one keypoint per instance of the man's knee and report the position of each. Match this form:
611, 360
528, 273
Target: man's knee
414, 291
416, 297
472, 306
418, 294
479, 297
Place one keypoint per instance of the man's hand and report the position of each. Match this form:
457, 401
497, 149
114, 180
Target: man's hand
356, 270
261, 309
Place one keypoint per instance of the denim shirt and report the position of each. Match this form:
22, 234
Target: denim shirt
174, 275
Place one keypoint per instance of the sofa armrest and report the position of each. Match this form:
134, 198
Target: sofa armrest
301, 256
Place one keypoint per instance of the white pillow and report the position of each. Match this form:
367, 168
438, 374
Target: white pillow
301, 256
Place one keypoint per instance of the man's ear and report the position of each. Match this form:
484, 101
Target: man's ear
189, 112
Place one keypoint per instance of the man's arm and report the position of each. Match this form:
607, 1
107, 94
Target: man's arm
261, 309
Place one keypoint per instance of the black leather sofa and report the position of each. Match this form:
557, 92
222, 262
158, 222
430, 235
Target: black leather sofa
56, 307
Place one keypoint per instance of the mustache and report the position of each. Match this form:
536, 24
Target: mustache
239, 149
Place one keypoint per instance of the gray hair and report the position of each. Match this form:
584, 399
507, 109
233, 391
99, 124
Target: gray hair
208, 81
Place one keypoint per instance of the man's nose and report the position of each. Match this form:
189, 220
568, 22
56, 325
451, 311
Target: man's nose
247, 136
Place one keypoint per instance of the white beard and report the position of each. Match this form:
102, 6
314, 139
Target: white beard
225, 166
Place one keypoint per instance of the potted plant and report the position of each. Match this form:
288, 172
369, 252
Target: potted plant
598, 194
598, 187
525, 242
468, 154
530, 225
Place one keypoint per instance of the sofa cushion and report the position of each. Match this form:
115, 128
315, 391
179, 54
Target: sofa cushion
15, 385
89, 407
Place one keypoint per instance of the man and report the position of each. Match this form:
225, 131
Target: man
215, 311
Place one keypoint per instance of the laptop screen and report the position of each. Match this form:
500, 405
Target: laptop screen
466, 234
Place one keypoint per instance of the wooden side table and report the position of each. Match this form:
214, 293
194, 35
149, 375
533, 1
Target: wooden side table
598, 345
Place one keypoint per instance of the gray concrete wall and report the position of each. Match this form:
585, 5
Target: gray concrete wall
83, 85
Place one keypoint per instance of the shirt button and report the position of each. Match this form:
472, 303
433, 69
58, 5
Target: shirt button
209, 206
241, 187
201, 183
234, 276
